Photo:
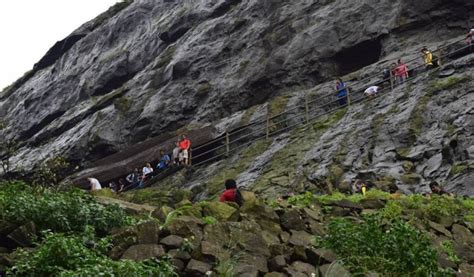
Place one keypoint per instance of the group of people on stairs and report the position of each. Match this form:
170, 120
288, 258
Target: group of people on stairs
397, 74
180, 156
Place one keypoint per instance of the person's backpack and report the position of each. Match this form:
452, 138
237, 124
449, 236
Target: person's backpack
239, 199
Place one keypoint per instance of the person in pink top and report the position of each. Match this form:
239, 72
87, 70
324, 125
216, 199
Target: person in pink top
401, 72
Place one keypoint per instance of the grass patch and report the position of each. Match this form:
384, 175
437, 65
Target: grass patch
448, 83
460, 167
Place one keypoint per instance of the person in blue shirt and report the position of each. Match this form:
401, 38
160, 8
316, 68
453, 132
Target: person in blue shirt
341, 92
164, 160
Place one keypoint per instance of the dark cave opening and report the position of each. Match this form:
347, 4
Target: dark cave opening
358, 56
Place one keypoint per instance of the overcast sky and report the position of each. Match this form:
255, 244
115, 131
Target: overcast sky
28, 28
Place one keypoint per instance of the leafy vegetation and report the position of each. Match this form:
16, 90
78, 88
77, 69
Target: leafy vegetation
396, 249
67, 211
62, 255
448, 248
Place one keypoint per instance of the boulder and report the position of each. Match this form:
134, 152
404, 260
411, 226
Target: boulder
320, 256
374, 204
148, 232
275, 274
178, 254
464, 252
346, 204
221, 211
300, 238
250, 263
122, 239
142, 252
24, 235
299, 254
161, 213
186, 227
301, 269
292, 220
440, 229
465, 270
333, 270
197, 268
214, 251
313, 213
281, 249
172, 241
277, 263
462, 235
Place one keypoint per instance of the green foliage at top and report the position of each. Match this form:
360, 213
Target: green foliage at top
66, 211
209, 220
397, 249
302, 200
61, 255
392, 211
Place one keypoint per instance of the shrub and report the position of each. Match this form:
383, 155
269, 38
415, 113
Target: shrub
60, 255
302, 200
66, 211
442, 206
397, 249
392, 210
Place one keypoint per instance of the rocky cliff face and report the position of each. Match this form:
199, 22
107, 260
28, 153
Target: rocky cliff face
146, 68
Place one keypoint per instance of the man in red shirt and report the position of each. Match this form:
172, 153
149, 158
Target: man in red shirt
184, 146
229, 195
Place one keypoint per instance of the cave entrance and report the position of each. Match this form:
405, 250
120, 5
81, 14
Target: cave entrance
358, 56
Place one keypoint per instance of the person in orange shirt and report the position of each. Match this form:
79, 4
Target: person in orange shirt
184, 146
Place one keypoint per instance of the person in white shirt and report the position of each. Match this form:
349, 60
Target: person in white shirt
147, 170
371, 91
95, 184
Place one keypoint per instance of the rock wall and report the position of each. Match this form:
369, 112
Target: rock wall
148, 66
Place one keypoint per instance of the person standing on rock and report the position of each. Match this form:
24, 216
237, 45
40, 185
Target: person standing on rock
231, 193
401, 72
184, 146
94, 183
176, 157
341, 92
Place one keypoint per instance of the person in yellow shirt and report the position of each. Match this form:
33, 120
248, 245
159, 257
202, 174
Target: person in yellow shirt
427, 57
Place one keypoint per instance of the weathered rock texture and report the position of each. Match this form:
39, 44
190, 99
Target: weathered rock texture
151, 67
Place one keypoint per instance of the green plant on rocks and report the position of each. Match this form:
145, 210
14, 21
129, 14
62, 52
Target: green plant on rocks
448, 248
62, 255
70, 211
396, 249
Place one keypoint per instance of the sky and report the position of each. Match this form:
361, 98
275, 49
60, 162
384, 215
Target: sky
28, 28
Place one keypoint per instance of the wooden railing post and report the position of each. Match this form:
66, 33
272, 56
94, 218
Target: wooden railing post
391, 79
306, 108
348, 97
227, 142
267, 127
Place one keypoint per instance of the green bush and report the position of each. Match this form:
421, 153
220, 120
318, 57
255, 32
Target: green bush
441, 205
396, 249
392, 210
60, 255
72, 210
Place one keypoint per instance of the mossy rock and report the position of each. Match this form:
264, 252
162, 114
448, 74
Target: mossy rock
220, 211
408, 166
161, 213
411, 179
